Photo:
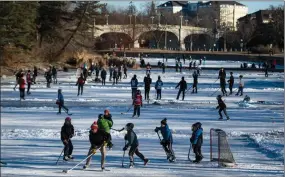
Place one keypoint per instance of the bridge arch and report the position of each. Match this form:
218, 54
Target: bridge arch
113, 40
197, 42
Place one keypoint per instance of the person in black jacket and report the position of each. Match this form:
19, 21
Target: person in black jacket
197, 140
103, 76
98, 140
231, 83
54, 75
183, 87
115, 76
48, 76
80, 83
195, 82
132, 141
147, 82
222, 77
222, 107
67, 132
35, 74
85, 73
125, 72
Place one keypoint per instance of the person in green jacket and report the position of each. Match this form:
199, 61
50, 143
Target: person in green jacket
105, 125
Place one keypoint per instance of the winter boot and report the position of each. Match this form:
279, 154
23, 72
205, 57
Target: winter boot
58, 113
228, 118
65, 158
85, 167
70, 157
131, 165
220, 118
146, 162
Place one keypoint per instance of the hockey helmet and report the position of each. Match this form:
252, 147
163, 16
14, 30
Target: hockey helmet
129, 126
164, 121
219, 97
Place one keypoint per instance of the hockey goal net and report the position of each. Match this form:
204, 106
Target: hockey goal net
219, 148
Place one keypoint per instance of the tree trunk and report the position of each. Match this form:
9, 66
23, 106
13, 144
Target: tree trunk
73, 33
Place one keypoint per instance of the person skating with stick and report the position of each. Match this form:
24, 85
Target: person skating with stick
241, 86
197, 140
195, 82
222, 107
134, 85
67, 132
222, 77
29, 81
137, 102
147, 82
60, 102
231, 83
183, 87
158, 87
80, 83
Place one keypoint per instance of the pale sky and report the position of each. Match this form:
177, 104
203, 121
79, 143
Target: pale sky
252, 5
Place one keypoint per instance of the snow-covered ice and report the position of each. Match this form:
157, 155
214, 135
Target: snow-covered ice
30, 130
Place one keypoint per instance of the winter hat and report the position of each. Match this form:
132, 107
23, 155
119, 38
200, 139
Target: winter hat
158, 77
129, 126
164, 121
231, 72
106, 111
241, 76
67, 119
100, 116
94, 127
182, 78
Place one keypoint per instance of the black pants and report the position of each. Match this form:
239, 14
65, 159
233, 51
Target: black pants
167, 146
120, 76
80, 87
29, 86
146, 93
266, 73
231, 88
125, 75
22, 93
68, 148
110, 78
225, 112
223, 88
48, 83
134, 91
54, 78
135, 150
163, 70
61, 105
137, 110
197, 152
183, 94
103, 81
194, 88
158, 94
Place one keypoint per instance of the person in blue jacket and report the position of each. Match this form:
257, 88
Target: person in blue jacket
197, 141
167, 140
60, 102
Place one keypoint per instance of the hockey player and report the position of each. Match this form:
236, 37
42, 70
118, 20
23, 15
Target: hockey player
35, 74
60, 102
111, 69
125, 72
98, 140
241, 85
103, 76
108, 116
54, 75
163, 68
105, 124
29, 81
231, 83
158, 86
197, 140
148, 68
137, 102
67, 132
222, 107
22, 83
48, 76
180, 67
195, 82
134, 85
176, 65
183, 87
222, 77
147, 82
115, 76
132, 141
167, 140
80, 83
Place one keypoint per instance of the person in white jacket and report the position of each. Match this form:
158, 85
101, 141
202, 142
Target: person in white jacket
241, 85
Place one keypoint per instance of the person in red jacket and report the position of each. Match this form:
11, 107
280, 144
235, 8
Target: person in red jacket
22, 84
137, 102
29, 81
80, 83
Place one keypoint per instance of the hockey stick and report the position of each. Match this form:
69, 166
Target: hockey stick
59, 156
167, 154
118, 130
214, 82
127, 110
215, 92
189, 152
188, 89
123, 156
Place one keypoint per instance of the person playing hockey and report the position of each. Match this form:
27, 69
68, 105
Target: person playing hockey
163, 68
222, 77
22, 83
231, 82
67, 132
18, 76
80, 83
176, 65
147, 82
137, 102
103, 76
148, 68
190, 65
132, 142
158, 87
167, 140
241, 85
195, 82
125, 72
222, 107
98, 140
29, 81
197, 140
108, 116
48, 76
54, 75
60, 102
105, 124
115, 76
180, 67
111, 69
134, 85
183, 87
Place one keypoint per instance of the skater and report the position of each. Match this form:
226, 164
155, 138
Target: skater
22, 83
148, 68
67, 132
48, 75
85, 72
35, 74
195, 82
222, 77
98, 140
183, 87
18, 76
134, 85
80, 83
115, 76
180, 67
176, 66
194, 64
105, 124
29, 81
132, 141
183, 57
197, 140
125, 72
246, 98
222, 107
163, 68
190, 65
120, 72
158, 86
54, 75
167, 140
108, 116
266, 69
111, 69
147, 82
231, 82
200, 61
137, 102
60, 102
198, 69
241, 85
97, 70
103, 76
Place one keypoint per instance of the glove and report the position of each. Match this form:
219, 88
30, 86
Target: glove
125, 148
217, 107
65, 142
93, 151
156, 129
